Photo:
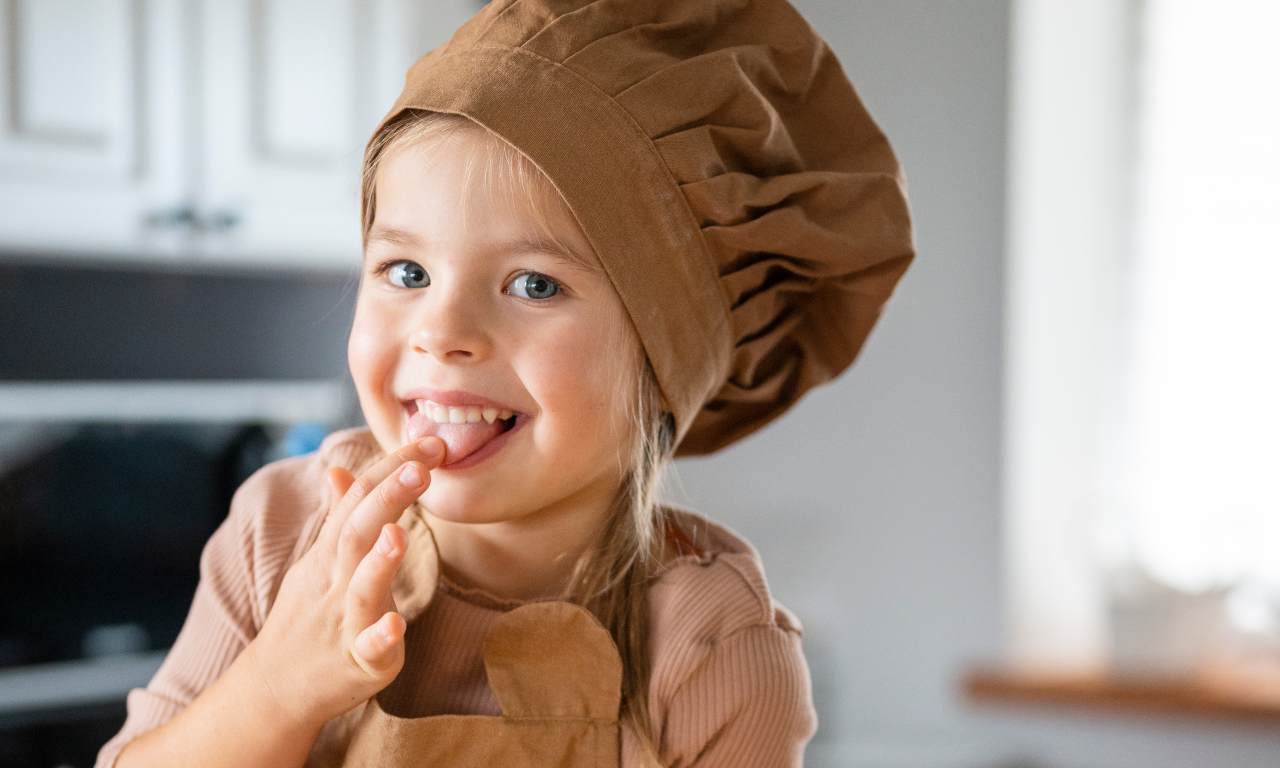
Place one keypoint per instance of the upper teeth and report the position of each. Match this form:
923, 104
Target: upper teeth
454, 414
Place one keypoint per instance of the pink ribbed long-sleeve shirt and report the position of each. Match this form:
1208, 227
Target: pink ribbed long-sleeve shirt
729, 684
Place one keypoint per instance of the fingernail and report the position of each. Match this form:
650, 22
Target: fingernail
384, 543
430, 446
410, 477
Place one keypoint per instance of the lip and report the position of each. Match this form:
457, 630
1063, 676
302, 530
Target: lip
458, 397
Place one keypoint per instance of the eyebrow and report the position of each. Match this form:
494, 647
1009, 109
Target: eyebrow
395, 236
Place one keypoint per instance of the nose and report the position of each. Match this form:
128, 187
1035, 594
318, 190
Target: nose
451, 328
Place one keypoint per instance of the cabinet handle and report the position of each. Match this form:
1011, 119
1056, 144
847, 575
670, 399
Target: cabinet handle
187, 217
220, 220
178, 217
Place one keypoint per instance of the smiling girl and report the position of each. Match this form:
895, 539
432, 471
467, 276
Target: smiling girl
597, 236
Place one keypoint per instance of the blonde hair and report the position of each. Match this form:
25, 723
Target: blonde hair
610, 579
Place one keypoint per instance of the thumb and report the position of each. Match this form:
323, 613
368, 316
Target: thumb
379, 647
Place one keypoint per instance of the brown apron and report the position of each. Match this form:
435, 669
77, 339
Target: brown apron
557, 675
553, 668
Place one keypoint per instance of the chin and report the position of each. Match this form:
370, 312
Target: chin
456, 505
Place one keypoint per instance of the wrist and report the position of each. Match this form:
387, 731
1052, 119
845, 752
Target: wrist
272, 700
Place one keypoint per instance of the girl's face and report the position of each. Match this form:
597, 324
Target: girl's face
453, 308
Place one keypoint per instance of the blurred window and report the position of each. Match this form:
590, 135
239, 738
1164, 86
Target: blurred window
1194, 480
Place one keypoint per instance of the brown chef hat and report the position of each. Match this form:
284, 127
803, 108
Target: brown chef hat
750, 213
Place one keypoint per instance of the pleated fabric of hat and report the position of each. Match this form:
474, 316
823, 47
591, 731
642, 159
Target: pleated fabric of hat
749, 211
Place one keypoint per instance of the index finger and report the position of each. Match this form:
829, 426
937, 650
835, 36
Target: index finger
430, 451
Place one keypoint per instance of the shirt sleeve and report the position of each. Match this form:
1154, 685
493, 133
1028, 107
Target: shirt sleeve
748, 702
219, 624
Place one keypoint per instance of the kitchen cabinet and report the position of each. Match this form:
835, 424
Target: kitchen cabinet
216, 132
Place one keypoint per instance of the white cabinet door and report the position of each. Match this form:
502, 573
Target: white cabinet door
241, 123
280, 81
93, 106
292, 90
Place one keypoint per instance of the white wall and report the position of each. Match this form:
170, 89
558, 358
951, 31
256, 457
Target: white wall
876, 502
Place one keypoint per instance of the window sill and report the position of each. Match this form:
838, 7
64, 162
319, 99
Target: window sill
1219, 693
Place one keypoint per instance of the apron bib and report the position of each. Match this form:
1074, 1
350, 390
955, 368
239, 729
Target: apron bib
552, 666
557, 675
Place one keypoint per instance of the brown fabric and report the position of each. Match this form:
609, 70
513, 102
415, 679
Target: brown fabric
748, 210
558, 676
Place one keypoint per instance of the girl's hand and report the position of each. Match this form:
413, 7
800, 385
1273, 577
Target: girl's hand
333, 637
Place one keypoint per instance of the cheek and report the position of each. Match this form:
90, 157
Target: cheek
369, 351
576, 380
361, 353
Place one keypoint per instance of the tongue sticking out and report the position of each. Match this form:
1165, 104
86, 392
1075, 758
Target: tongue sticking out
462, 439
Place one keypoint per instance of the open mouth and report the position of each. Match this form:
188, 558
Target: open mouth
466, 431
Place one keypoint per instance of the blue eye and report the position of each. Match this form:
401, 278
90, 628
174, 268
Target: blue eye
411, 270
536, 285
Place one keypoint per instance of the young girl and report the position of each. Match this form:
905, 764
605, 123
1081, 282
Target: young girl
598, 236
